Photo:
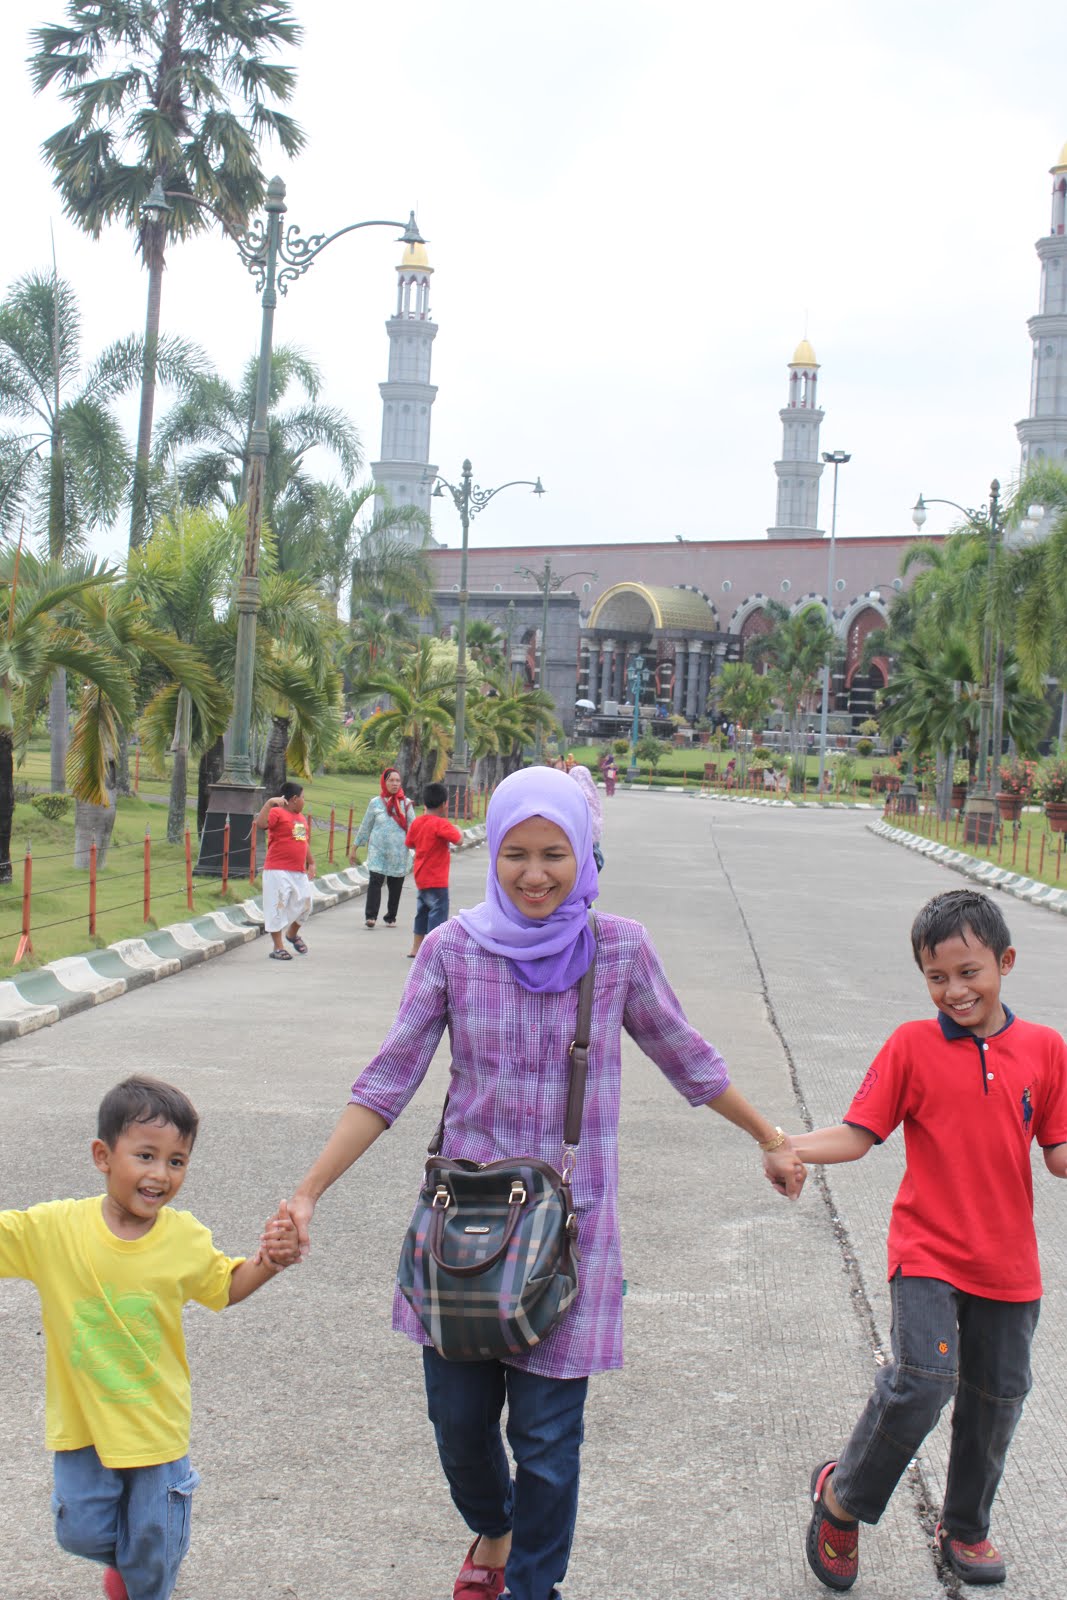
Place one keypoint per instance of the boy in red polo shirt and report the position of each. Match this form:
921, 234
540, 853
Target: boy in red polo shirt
430, 837
973, 1087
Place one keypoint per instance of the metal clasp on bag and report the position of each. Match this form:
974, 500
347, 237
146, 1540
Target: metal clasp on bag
441, 1199
570, 1157
517, 1197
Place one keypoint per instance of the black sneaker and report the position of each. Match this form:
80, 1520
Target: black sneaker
833, 1544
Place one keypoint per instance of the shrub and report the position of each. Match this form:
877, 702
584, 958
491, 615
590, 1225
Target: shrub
961, 772
24, 793
844, 773
621, 747
761, 756
52, 807
650, 750
1052, 781
864, 747
352, 754
1018, 778
869, 727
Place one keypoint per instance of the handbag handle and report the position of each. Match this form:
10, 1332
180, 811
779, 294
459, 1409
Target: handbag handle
437, 1228
579, 1057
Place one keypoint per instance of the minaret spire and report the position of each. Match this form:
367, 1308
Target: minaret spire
1043, 434
404, 472
800, 469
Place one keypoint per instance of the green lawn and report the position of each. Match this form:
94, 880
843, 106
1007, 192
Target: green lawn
686, 765
59, 918
1029, 846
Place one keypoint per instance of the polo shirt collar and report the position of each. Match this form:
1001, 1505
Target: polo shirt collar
953, 1030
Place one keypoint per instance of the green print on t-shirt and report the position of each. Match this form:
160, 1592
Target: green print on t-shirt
116, 1341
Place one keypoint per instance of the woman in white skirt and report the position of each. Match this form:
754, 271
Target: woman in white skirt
287, 870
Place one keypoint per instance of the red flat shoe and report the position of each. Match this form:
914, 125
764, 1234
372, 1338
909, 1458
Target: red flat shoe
477, 1583
114, 1588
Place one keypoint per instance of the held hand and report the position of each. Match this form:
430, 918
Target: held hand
784, 1170
280, 1244
300, 1210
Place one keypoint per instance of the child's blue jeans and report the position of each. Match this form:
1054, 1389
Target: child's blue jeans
945, 1343
431, 909
137, 1519
544, 1430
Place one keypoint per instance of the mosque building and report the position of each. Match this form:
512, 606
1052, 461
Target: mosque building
687, 606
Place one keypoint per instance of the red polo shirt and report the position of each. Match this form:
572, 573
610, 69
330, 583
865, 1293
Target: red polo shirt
430, 837
970, 1108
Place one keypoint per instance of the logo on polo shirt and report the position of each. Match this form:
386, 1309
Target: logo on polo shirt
1028, 1109
867, 1085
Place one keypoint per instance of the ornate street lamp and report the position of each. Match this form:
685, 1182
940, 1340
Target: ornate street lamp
836, 459
980, 812
274, 259
636, 674
468, 499
548, 582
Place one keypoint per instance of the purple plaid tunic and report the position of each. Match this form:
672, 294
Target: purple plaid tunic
508, 1091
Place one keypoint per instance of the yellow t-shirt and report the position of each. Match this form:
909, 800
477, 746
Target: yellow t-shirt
116, 1373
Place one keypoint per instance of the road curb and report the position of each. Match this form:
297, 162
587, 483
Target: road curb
46, 995
985, 873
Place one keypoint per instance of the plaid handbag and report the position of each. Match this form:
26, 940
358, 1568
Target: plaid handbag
490, 1261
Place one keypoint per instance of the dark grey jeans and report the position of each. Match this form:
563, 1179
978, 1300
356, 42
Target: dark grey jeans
945, 1343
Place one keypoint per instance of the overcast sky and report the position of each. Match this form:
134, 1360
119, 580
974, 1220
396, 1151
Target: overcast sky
635, 210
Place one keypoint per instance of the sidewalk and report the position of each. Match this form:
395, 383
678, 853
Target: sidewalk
751, 1324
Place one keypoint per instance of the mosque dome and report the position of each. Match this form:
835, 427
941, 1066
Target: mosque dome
803, 355
1061, 163
414, 256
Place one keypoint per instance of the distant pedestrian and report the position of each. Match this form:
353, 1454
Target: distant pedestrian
973, 1089
611, 774
430, 837
583, 779
384, 831
288, 869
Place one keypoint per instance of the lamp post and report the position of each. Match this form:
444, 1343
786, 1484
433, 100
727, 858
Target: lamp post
468, 499
635, 678
274, 259
979, 816
836, 459
547, 581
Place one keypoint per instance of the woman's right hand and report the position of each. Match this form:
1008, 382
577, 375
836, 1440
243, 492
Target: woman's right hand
301, 1211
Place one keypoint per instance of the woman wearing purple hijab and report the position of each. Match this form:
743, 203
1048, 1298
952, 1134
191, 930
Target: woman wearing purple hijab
503, 979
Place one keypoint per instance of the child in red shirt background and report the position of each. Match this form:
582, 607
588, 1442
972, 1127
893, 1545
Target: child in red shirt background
973, 1088
430, 837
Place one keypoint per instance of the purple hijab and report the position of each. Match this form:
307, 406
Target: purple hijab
547, 954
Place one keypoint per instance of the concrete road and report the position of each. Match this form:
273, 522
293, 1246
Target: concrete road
753, 1326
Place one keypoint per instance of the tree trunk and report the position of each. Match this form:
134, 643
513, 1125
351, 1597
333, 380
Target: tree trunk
209, 771
274, 760
998, 721
153, 255
95, 822
7, 801
944, 797
58, 730
179, 778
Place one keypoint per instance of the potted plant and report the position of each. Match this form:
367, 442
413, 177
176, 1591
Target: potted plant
960, 774
1051, 790
759, 760
1017, 780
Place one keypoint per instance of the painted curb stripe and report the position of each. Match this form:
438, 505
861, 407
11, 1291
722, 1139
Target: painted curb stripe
986, 873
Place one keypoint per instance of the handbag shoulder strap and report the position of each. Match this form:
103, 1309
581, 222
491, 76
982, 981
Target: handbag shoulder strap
579, 1061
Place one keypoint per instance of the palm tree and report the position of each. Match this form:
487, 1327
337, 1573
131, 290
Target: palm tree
69, 465
1041, 613
380, 559
33, 647
417, 728
297, 677
486, 644
209, 431
797, 650
503, 722
152, 88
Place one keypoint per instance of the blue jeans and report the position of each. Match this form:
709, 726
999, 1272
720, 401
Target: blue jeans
544, 1429
945, 1343
431, 909
137, 1519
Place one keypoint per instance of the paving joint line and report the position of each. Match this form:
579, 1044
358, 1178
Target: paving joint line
922, 1500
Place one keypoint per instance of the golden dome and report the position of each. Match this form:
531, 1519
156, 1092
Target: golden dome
415, 256
1061, 164
803, 355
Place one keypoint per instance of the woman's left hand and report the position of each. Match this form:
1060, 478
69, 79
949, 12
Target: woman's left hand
784, 1170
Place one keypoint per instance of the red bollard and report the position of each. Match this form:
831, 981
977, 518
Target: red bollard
1041, 859
189, 868
252, 853
147, 873
226, 854
333, 823
92, 889
25, 942
348, 837
1026, 867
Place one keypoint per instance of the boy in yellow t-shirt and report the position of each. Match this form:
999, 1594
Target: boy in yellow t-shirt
113, 1274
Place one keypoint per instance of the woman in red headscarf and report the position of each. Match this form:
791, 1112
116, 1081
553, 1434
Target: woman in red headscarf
384, 831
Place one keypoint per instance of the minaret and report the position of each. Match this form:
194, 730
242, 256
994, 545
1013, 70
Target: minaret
800, 469
1043, 434
404, 472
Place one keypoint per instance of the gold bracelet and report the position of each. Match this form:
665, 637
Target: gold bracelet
774, 1144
